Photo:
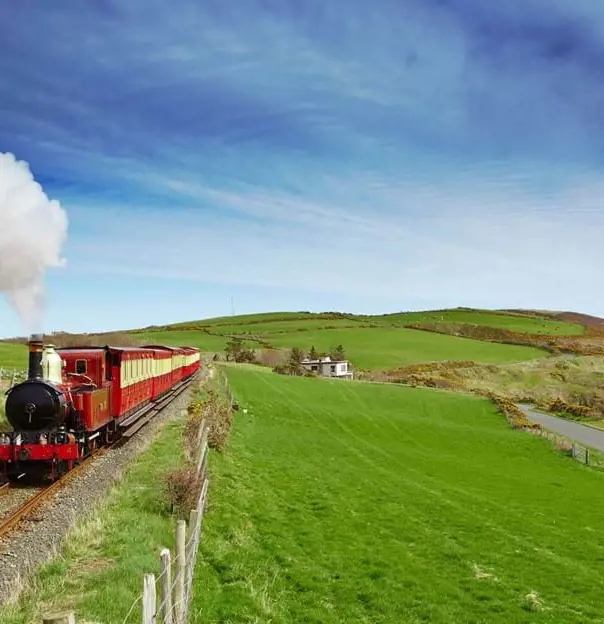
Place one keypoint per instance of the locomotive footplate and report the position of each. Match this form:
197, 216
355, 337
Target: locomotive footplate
32, 446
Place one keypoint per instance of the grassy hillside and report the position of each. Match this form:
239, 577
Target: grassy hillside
342, 501
290, 321
390, 347
520, 323
557, 384
194, 338
370, 348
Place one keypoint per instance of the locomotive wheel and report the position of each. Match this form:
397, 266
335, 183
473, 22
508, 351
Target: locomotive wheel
58, 469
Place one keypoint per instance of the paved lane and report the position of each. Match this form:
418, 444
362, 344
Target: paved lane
574, 430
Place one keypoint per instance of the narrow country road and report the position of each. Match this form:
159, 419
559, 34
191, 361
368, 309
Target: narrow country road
574, 430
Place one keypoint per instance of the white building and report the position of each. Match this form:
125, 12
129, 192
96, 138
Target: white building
326, 367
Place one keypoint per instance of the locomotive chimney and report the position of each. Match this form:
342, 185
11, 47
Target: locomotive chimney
36, 346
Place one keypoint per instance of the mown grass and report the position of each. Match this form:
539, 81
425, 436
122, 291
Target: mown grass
353, 502
101, 570
389, 347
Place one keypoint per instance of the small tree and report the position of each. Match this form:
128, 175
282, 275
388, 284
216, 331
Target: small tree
295, 357
236, 351
312, 354
338, 353
233, 349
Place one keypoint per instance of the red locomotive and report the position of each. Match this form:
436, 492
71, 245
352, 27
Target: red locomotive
79, 398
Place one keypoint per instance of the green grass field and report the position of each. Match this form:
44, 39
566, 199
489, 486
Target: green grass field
374, 348
13, 356
352, 502
193, 338
270, 328
390, 347
279, 321
513, 322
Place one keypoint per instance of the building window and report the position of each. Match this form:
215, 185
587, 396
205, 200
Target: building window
315, 368
333, 368
80, 367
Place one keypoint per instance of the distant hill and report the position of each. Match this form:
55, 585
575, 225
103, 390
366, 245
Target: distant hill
375, 342
379, 342
514, 320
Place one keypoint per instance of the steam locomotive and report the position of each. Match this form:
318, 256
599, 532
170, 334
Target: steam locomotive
77, 399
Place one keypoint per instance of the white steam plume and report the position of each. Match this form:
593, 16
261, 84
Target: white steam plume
33, 229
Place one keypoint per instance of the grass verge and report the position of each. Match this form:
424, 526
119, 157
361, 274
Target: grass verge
344, 501
100, 571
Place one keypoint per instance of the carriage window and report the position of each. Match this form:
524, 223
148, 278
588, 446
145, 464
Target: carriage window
81, 367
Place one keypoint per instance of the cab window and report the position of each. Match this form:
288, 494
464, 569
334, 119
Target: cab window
80, 367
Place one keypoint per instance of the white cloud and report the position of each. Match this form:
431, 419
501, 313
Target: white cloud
532, 253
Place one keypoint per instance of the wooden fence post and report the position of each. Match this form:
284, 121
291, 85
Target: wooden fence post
193, 519
166, 587
149, 599
60, 618
179, 583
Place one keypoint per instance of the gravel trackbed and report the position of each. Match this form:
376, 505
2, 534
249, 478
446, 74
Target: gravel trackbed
37, 541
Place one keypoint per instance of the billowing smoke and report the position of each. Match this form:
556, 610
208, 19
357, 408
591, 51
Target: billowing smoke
33, 229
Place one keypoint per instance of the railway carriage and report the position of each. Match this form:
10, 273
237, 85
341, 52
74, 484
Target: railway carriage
132, 377
192, 358
176, 355
78, 398
162, 372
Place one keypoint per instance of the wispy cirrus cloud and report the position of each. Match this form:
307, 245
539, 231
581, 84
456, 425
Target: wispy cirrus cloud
425, 151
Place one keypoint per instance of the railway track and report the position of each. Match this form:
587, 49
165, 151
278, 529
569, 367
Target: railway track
16, 513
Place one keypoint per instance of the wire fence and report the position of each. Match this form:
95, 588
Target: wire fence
166, 598
12, 375
583, 454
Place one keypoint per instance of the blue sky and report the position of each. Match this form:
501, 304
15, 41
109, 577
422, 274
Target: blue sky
306, 155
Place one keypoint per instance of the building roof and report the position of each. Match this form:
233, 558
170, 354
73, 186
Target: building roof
307, 361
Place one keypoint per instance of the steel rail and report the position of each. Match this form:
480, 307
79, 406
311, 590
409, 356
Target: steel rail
10, 522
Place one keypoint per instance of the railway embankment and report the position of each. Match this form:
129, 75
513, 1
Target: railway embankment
116, 534
41, 537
